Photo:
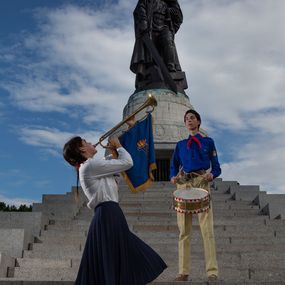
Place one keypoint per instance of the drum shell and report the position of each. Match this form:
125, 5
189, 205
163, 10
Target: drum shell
191, 200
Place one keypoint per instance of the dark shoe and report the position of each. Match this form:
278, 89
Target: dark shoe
212, 277
181, 277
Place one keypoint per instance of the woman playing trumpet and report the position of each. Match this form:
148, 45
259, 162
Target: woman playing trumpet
112, 255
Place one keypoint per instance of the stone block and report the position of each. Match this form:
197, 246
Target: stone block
6, 261
247, 244
267, 260
37, 282
14, 241
60, 210
62, 254
42, 274
61, 234
61, 206
37, 207
14, 281
64, 240
30, 221
224, 186
244, 193
272, 205
43, 263
272, 274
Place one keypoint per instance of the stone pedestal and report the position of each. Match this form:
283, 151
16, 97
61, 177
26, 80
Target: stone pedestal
168, 124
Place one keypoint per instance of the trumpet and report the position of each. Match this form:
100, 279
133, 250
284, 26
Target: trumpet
150, 101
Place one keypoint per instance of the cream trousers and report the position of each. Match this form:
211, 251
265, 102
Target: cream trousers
184, 222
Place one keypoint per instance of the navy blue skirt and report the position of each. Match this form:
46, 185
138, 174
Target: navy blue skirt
113, 255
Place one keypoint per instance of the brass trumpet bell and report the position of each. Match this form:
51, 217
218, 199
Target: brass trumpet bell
150, 101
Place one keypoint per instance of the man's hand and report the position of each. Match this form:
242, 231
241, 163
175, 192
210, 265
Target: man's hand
208, 176
173, 180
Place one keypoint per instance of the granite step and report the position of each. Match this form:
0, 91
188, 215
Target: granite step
250, 247
198, 273
164, 238
65, 252
215, 198
42, 274
171, 241
218, 212
16, 281
43, 263
267, 260
60, 254
167, 204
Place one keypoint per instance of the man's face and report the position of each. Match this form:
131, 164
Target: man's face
191, 122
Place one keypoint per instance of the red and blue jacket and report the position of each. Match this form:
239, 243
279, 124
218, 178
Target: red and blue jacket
195, 153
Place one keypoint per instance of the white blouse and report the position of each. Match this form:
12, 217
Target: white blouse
97, 177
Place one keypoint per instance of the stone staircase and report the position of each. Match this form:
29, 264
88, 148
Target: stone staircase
250, 244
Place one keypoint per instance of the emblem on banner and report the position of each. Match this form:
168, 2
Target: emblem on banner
142, 145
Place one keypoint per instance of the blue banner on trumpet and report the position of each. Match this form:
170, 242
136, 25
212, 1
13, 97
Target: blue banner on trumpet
138, 141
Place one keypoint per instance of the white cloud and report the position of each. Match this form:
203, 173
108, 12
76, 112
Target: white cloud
261, 160
80, 60
90, 42
259, 163
43, 137
233, 53
228, 49
14, 178
272, 122
52, 140
231, 50
16, 201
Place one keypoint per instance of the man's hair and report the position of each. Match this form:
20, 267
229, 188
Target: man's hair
196, 114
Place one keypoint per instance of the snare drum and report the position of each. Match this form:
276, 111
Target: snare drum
191, 200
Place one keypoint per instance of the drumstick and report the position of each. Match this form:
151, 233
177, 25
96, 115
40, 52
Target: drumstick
197, 174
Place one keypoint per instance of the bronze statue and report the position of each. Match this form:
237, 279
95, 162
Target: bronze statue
155, 61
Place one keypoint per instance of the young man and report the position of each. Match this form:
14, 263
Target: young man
196, 160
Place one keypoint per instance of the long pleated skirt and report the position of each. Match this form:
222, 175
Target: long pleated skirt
115, 256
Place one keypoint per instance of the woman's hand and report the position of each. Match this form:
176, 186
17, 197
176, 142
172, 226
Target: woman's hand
113, 143
131, 122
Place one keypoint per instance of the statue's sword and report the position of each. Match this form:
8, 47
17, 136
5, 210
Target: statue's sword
158, 60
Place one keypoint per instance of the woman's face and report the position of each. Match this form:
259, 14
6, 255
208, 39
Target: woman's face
87, 149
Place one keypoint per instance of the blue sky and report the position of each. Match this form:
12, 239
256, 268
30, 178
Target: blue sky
64, 70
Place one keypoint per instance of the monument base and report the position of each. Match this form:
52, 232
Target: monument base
168, 123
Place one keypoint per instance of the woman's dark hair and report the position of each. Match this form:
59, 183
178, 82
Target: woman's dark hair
196, 114
72, 153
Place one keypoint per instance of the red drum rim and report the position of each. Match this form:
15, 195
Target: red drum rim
178, 210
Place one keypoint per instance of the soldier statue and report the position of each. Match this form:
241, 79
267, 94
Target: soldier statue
155, 60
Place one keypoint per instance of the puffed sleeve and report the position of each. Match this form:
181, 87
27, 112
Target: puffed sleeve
102, 167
